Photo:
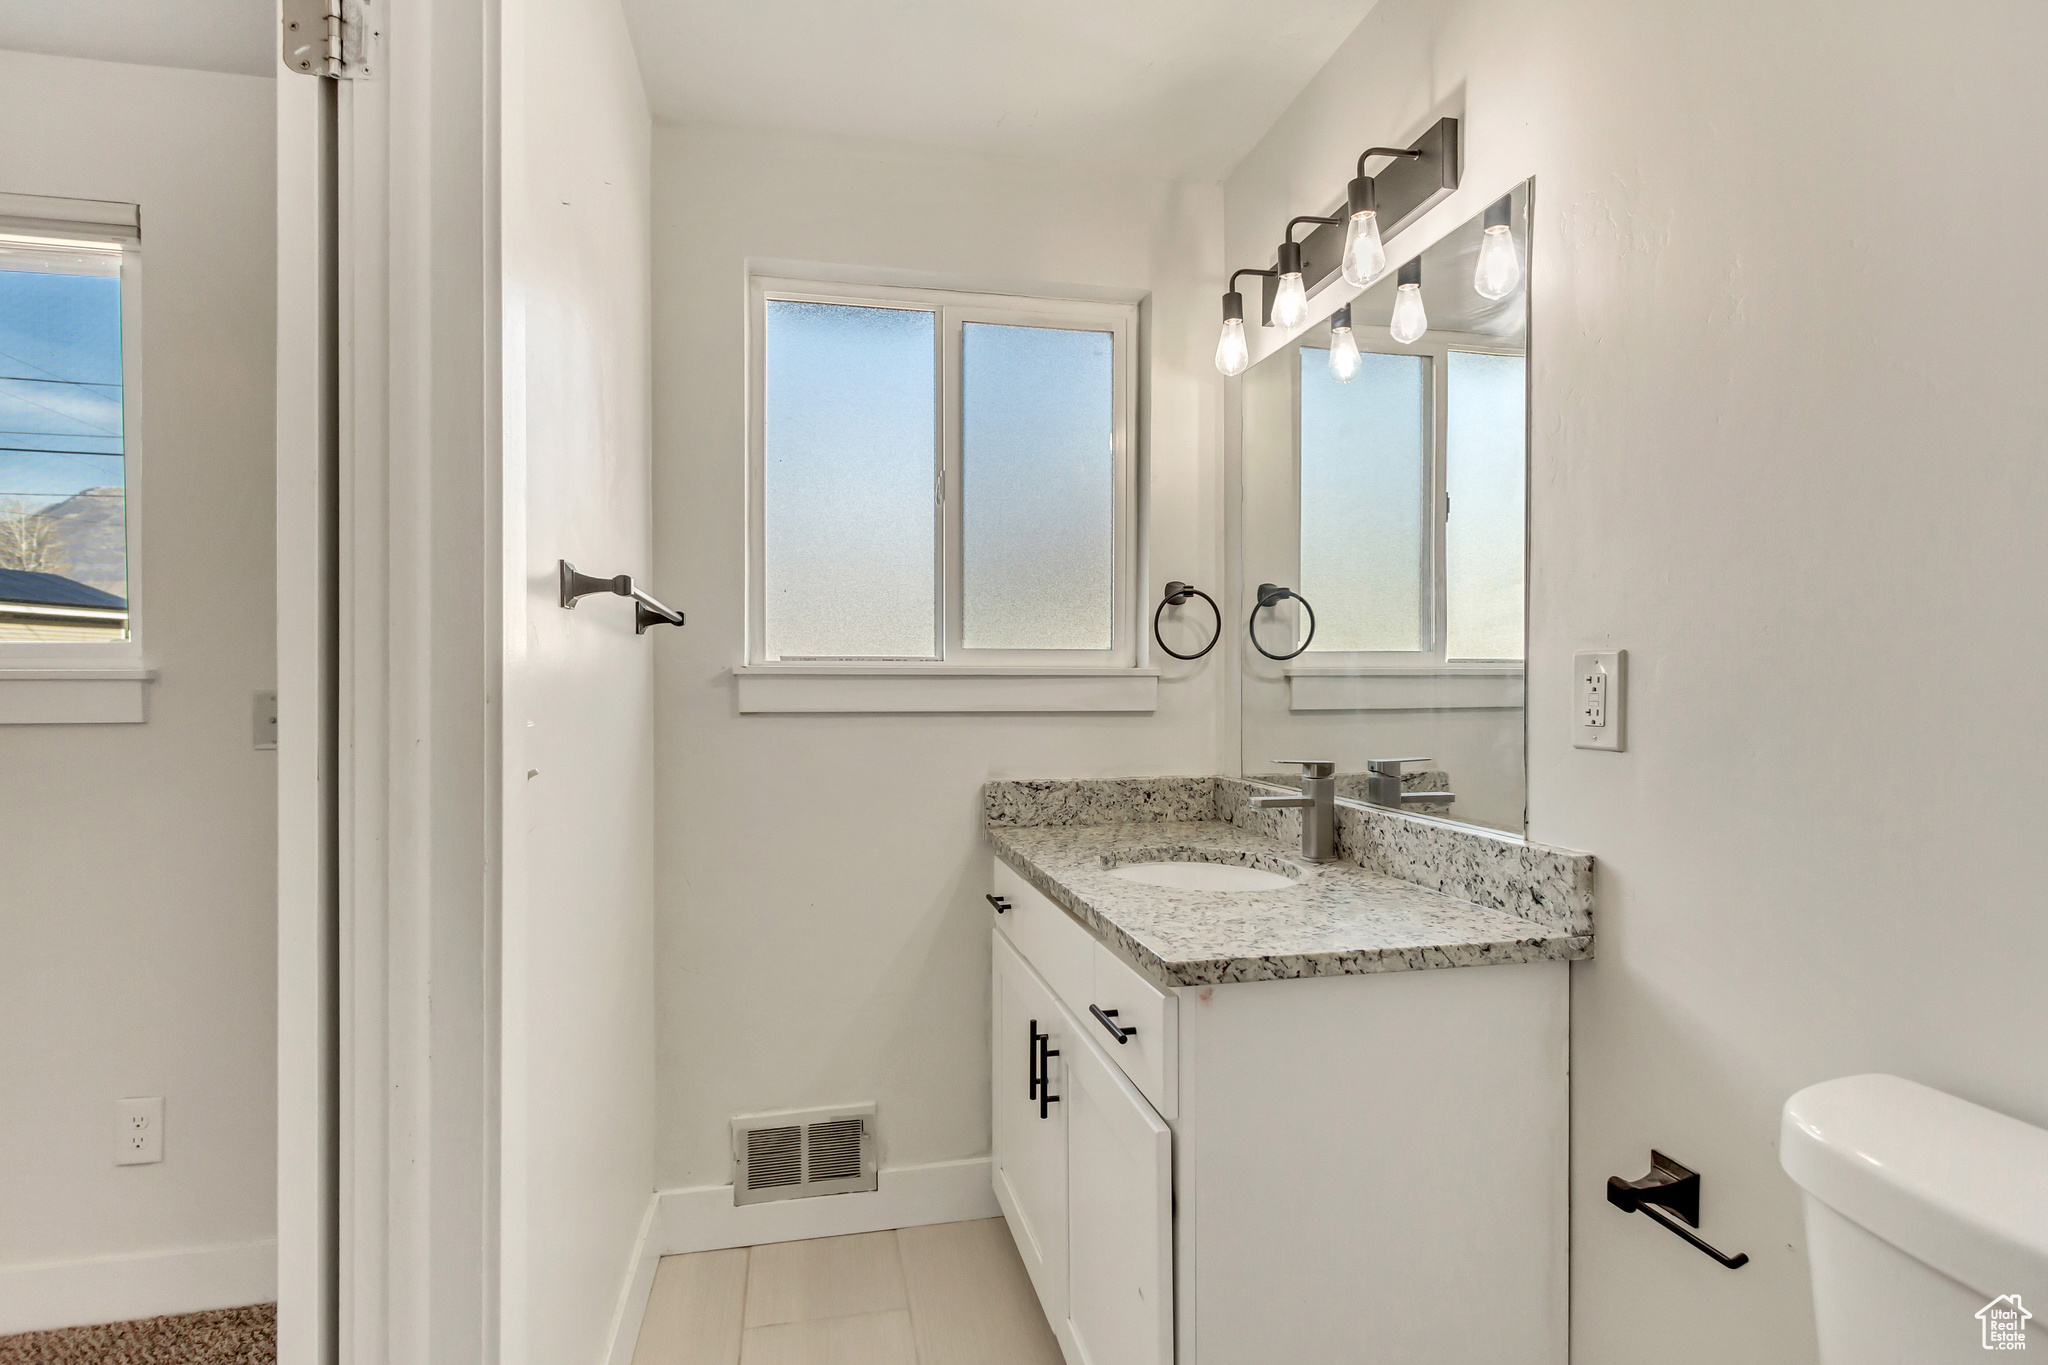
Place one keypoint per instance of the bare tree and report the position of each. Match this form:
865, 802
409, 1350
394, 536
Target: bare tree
29, 539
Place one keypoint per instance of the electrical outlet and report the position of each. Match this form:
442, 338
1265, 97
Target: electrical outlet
263, 720
139, 1131
1597, 690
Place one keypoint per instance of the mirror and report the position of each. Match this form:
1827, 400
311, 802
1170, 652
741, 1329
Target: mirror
1384, 533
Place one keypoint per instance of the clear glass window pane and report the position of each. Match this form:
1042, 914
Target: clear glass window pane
850, 472
63, 479
1487, 479
1038, 505
1364, 501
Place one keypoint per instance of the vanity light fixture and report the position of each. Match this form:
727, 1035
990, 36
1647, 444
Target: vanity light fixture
1290, 302
1232, 354
1409, 320
1365, 257
1344, 361
1499, 269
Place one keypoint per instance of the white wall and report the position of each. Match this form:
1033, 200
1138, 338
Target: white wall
137, 933
579, 1098
821, 934
1787, 452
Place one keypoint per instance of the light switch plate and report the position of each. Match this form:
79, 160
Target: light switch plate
139, 1130
1600, 700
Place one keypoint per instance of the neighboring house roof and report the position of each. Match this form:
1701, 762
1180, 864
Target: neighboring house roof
54, 590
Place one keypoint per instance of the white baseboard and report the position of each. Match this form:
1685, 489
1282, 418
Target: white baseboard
37, 1298
633, 1298
704, 1218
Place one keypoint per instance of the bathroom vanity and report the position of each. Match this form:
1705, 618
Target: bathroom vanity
1274, 1124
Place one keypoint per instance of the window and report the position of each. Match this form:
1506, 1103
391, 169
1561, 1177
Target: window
1486, 479
940, 479
64, 423
1411, 505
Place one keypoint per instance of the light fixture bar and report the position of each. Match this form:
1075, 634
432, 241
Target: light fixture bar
1408, 188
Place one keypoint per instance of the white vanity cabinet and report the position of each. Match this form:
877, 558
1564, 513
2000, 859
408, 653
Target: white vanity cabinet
1334, 1168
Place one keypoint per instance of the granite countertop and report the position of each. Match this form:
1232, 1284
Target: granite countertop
1341, 919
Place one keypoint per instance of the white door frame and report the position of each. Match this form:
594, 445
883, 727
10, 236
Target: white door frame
388, 851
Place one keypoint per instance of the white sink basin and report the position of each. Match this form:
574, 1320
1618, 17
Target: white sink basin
1203, 876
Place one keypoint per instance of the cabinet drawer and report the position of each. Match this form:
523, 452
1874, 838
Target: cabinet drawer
1047, 937
1128, 1001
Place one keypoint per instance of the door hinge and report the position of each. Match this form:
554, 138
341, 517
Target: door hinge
335, 38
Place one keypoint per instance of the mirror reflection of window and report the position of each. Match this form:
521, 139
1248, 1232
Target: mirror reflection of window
1485, 434
1365, 501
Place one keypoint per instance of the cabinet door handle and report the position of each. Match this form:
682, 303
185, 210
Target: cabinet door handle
1031, 1060
1107, 1018
1045, 1056
998, 902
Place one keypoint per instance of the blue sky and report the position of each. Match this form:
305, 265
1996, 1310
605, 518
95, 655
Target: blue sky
60, 383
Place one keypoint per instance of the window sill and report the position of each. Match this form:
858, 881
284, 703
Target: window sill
74, 696
964, 689
1437, 687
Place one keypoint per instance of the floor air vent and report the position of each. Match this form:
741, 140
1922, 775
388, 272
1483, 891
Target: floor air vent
797, 1153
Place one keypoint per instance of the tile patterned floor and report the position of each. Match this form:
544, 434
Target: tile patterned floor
948, 1294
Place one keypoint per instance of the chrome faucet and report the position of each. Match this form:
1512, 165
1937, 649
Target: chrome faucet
1317, 804
1383, 786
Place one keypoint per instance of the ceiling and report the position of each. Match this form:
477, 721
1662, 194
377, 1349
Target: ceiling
204, 35
1173, 88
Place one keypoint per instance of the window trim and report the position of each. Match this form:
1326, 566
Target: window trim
1437, 346
952, 661
91, 681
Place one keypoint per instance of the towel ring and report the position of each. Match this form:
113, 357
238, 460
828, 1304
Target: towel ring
1177, 593
1271, 595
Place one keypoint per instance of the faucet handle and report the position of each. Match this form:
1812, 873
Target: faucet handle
1311, 767
1390, 767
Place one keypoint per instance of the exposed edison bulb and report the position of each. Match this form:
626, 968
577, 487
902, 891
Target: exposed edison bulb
1343, 355
1499, 269
1290, 303
1365, 259
1232, 355
1409, 321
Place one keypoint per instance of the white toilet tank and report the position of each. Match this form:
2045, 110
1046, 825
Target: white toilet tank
1926, 1223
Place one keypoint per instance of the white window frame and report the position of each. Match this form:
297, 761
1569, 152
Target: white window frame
90, 681
1011, 680
1437, 347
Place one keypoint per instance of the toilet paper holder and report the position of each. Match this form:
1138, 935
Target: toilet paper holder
1673, 1187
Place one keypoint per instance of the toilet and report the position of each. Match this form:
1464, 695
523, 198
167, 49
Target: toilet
1926, 1222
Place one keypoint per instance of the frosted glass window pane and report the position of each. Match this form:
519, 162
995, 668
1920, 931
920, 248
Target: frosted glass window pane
851, 465
63, 479
1364, 500
1487, 480
1038, 506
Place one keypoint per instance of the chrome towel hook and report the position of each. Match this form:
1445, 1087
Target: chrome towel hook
646, 611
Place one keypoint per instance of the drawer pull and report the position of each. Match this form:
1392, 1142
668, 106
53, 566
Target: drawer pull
1031, 1059
998, 902
1041, 1069
1107, 1018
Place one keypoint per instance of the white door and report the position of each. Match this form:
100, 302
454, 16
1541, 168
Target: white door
1029, 1121
1119, 1217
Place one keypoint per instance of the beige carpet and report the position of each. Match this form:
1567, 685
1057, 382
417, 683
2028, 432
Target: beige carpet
226, 1336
